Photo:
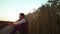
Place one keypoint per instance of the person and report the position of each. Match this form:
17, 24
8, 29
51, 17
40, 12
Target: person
21, 25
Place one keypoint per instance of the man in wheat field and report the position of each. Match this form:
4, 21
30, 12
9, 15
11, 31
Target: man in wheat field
21, 25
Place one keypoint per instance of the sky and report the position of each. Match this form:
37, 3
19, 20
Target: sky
10, 9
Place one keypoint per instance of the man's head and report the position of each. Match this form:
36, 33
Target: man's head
21, 15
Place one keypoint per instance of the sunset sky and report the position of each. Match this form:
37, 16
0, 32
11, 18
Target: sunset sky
10, 9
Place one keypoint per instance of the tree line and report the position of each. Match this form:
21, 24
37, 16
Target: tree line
46, 19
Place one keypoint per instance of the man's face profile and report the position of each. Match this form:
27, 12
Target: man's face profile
21, 16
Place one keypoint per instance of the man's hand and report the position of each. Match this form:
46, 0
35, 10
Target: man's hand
12, 24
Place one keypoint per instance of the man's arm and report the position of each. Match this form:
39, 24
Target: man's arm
20, 22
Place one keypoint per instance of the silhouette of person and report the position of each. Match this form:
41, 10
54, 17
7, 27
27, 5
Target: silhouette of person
21, 25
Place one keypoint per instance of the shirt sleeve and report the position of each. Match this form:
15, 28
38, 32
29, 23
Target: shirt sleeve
21, 22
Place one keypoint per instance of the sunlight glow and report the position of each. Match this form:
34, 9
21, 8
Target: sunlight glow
10, 9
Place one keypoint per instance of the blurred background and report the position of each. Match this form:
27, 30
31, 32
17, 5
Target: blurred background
43, 15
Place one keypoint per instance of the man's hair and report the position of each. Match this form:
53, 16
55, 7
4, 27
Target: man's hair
22, 14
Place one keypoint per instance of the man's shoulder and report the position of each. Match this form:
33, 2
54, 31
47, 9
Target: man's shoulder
24, 19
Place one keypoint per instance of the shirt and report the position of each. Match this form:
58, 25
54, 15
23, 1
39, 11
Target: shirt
21, 22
